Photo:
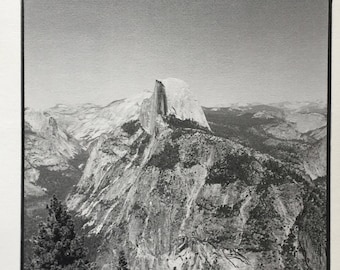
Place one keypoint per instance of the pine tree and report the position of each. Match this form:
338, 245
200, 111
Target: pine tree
56, 245
122, 263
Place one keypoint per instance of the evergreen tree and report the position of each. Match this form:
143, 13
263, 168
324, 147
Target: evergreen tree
122, 263
56, 245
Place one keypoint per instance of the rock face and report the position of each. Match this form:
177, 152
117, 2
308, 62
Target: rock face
171, 97
160, 99
46, 146
181, 102
315, 159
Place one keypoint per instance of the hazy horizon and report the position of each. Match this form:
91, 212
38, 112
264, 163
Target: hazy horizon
226, 104
235, 51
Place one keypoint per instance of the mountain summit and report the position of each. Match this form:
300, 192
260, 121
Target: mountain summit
171, 97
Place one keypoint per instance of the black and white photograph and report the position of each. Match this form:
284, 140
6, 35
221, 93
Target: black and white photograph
176, 135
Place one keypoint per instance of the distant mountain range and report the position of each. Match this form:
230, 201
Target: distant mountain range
178, 186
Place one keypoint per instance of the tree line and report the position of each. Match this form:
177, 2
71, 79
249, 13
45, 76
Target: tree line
56, 245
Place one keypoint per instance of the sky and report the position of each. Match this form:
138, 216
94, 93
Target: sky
228, 51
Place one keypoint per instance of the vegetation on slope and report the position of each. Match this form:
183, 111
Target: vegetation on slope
56, 245
187, 123
166, 159
131, 127
231, 168
243, 128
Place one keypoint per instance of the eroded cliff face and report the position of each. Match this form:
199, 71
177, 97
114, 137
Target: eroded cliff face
154, 108
185, 199
160, 98
47, 147
171, 97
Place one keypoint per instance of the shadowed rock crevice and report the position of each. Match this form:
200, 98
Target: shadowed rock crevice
161, 102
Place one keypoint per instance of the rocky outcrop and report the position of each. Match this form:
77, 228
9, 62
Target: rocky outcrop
154, 107
315, 159
46, 146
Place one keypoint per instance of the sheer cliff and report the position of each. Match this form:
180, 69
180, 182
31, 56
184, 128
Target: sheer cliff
171, 97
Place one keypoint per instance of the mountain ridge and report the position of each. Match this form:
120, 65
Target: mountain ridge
178, 186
